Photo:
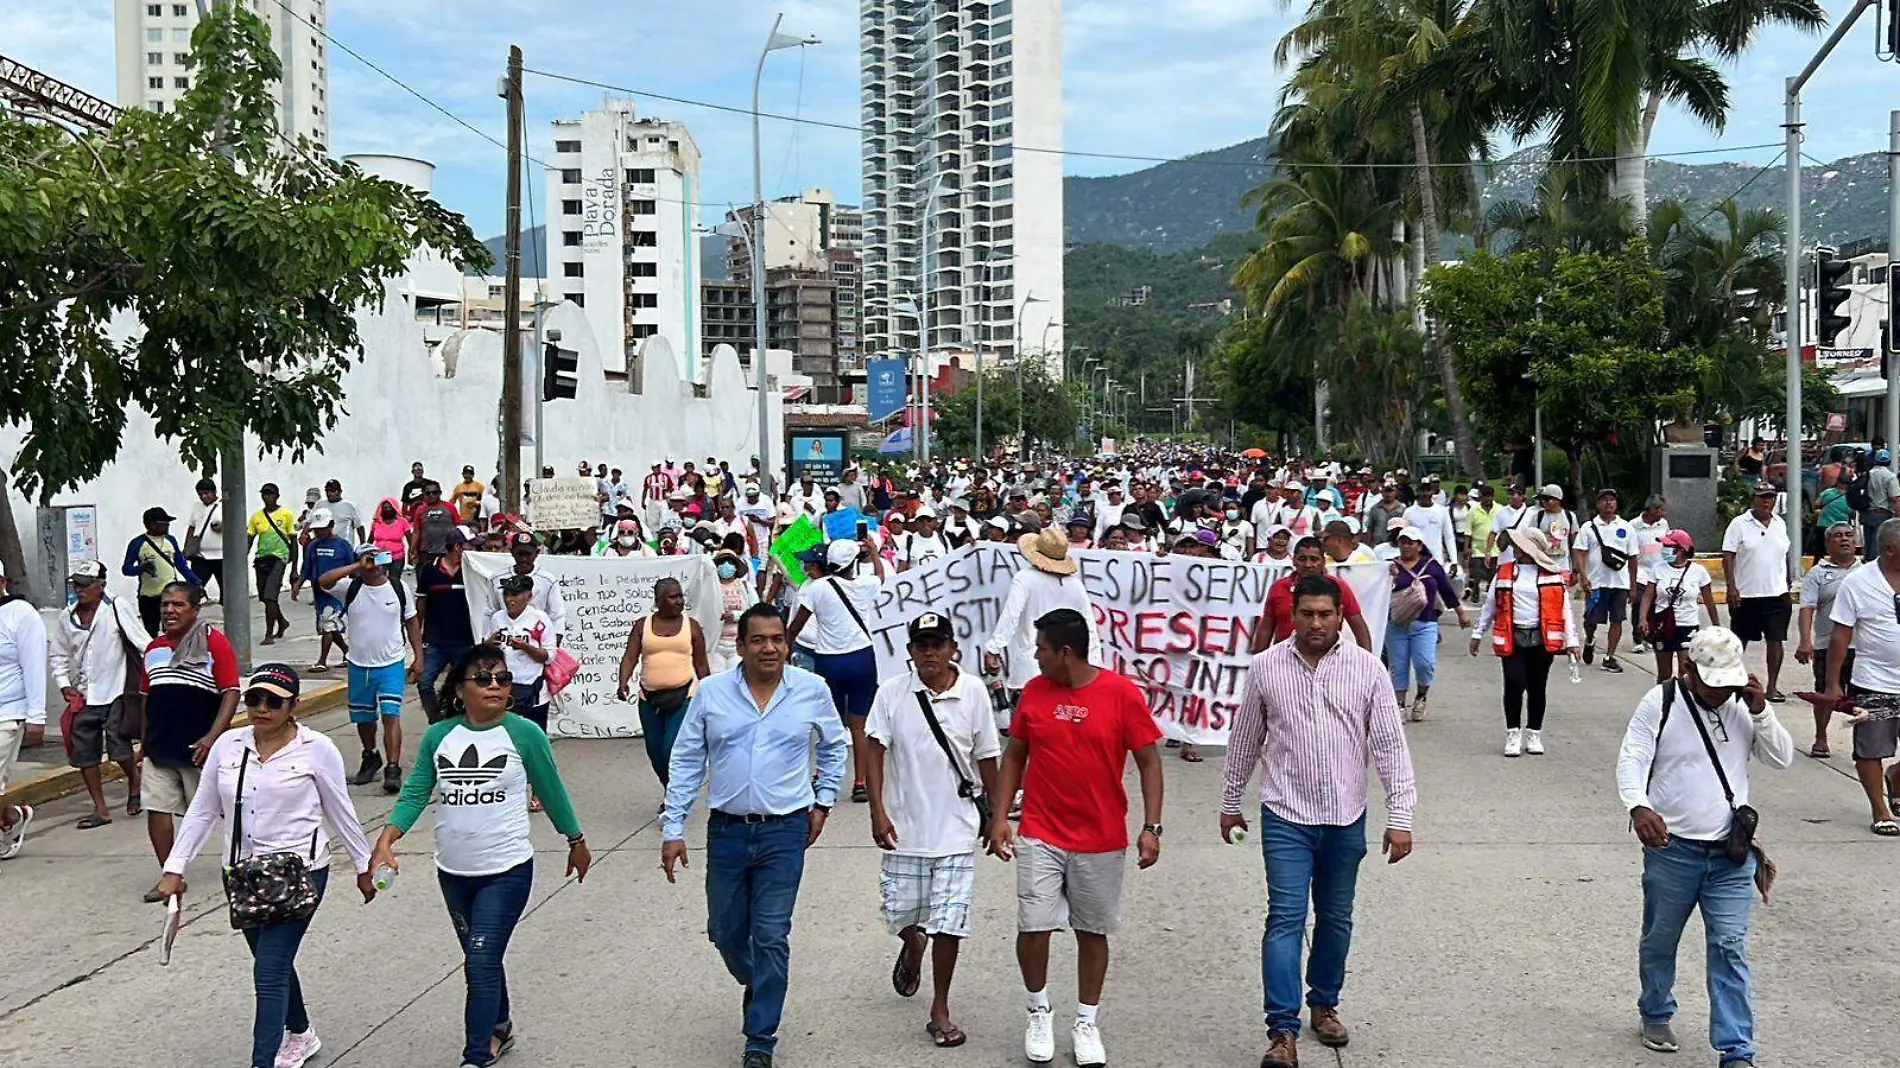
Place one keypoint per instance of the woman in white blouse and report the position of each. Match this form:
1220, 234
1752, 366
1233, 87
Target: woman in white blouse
293, 786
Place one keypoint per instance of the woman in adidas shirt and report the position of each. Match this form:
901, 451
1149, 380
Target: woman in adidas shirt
480, 763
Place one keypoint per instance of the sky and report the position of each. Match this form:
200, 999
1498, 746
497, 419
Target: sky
1200, 77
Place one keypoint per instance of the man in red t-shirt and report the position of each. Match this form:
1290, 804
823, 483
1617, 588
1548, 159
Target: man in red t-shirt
1074, 728
1276, 623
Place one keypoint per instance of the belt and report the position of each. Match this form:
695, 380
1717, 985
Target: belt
756, 817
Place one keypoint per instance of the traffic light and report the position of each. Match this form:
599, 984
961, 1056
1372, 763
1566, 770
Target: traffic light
560, 372
1830, 293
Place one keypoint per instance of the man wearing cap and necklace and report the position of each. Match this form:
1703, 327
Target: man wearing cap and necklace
155, 559
1682, 774
933, 750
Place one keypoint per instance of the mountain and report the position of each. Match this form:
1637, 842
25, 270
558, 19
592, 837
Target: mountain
1170, 206
533, 244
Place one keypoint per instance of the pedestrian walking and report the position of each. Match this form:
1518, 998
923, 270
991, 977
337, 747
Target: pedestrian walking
1485, 513
931, 771
838, 607
526, 552
737, 592
1649, 526
1321, 708
278, 787
1605, 559
190, 677
480, 765
1683, 776
204, 536
442, 606
94, 651
1815, 622
1421, 592
1759, 572
1669, 612
748, 737
1074, 729
1864, 620
325, 552
274, 556
1875, 494
156, 560
1276, 619
525, 635
1529, 621
381, 619
22, 702
389, 531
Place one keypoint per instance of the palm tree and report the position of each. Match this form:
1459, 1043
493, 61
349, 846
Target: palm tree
1328, 235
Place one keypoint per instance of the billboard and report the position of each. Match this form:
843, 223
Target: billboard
820, 454
888, 388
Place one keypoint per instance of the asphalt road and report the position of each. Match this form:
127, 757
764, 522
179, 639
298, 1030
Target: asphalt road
1507, 939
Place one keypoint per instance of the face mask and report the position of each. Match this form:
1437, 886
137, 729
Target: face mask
1233, 513
626, 541
728, 571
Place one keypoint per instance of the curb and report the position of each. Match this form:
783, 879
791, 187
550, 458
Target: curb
60, 782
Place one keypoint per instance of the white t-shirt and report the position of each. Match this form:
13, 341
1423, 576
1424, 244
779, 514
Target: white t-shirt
1560, 525
1618, 536
1865, 602
533, 625
1648, 547
1524, 600
1688, 602
832, 630
1434, 521
208, 521
375, 628
920, 787
914, 549
1761, 556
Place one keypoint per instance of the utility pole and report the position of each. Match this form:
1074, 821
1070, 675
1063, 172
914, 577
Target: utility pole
511, 306
1190, 393
1893, 283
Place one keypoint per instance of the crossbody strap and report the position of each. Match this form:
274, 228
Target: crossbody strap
838, 588
936, 730
237, 810
1708, 744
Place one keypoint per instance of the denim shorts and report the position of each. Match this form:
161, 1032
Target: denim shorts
377, 692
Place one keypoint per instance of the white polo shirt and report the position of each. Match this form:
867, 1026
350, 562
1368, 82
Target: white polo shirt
1761, 556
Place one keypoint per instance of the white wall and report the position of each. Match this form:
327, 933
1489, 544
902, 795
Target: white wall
400, 411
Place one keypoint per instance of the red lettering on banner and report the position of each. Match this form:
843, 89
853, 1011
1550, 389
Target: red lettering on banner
1150, 633
1182, 624
1118, 629
1217, 634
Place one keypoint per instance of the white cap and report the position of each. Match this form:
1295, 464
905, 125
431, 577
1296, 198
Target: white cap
926, 512
842, 553
1556, 492
1295, 485
1717, 655
320, 518
1412, 534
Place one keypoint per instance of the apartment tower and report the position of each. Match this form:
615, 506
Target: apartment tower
153, 40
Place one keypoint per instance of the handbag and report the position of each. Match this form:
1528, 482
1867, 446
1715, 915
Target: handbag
195, 539
1409, 600
1744, 820
965, 788
266, 890
1661, 624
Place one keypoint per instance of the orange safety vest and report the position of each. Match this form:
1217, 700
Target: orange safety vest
1551, 594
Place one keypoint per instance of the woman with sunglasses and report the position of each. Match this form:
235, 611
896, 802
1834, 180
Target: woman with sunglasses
481, 763
293, 786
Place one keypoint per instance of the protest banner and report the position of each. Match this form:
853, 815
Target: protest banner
563, 503
1179, 627
801, 535
604, 595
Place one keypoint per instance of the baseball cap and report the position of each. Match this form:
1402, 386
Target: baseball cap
1412, 534
1679, 538
998, 522
367, 548
1764, 489
752, 491
932, 626
158, 515
90, 570
1717, 655
523, 540
1296, 484
926, 512
1552, 491
842, 553
320, 518
279, 679
461, 536
1882, 456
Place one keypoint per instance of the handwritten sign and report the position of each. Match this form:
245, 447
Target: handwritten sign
604, 597
571, 503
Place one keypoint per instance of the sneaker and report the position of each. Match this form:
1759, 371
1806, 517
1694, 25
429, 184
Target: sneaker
1283, 1051
1534, 743
1589, 651
1418, 709
1087, 1039
296, 1049
1513, 741
1658, 1036
1039, 1040
13, 839
1640, 648
392, 778
1610, 665
756, 1058
1327, 1028
372, 763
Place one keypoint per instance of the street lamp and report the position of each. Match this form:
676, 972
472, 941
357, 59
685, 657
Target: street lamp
774, 42
916, 393
1016, 343
938, 190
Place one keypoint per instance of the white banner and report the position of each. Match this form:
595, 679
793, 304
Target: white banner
1180, 627
604, 596
571, 503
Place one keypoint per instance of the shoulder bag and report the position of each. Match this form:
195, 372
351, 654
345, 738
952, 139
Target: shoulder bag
1613, 559
1743, 819
1661, 624
194, 541
266, 890
965, 788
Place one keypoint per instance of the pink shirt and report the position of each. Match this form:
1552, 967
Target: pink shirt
287, 801
1320, 727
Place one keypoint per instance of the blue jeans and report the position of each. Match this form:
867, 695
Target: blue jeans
1412, 649
659, 727
274, 976
485, 909
1677, 879
435, 660
1303, 860
752, 874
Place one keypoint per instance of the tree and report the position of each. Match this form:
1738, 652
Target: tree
244, 259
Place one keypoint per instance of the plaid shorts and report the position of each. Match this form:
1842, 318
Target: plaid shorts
933, 893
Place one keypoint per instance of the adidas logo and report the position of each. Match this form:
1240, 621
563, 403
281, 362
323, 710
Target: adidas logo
470, 771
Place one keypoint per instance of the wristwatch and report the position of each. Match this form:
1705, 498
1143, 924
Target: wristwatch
1151, 828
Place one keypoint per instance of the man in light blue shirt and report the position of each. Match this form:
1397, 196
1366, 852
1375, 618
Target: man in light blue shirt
748, 735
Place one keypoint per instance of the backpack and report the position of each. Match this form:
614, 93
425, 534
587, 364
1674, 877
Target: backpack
356, 585
437, 521
1857, 496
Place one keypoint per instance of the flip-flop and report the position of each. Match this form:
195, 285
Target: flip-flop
946, 1037
906, 977
134, 806
1819, 752
90, 822
1885, 828
319, 669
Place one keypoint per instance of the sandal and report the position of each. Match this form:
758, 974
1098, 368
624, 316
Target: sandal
1190, 754
153, 896
1819, 751
134, 806
1885, 828
949, 1036
319, 669
906, 976
90, 822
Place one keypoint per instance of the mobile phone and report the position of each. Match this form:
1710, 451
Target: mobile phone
383, 559
864, 529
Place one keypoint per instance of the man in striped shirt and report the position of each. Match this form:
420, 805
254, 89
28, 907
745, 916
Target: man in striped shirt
1324, 709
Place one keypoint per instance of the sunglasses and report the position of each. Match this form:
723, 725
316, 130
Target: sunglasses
266, 700
486, 679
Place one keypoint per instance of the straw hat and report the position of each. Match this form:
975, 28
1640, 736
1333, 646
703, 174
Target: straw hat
1047, 550
1534, 545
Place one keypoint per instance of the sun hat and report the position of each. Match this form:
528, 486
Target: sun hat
1535, 545
1717, 655
1047, 550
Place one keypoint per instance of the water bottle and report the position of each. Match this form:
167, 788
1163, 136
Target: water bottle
1576, 668
1237, 836
384, 878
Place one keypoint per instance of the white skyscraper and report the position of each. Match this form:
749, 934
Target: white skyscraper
153, 40
956, 92
622, 208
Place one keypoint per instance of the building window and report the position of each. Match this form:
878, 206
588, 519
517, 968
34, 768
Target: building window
181, 83
570, 238
643, 300
179, 33
643, 270
156, 59
643, 330
180, 57
571, 175
567, 146
154, 10
158, 106
643, 239
154, 36
154, 83
178, 11
642, 207
640, 176
577, 299
570, 207
571, 270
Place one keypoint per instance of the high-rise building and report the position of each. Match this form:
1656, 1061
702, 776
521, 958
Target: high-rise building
153, 40
622, 210
962, 120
